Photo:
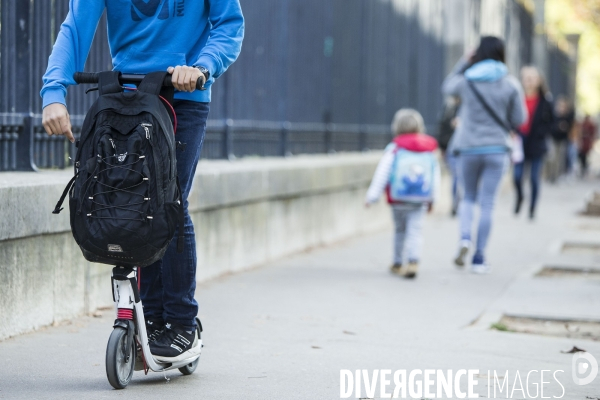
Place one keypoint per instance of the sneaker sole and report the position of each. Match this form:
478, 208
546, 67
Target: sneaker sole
460, 259
194, 351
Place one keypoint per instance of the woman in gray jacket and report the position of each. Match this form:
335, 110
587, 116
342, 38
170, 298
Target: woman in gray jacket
492, 103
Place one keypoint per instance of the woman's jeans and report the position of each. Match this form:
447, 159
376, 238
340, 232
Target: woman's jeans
535, 177
480, 175
168, 285
408, 238
452, 162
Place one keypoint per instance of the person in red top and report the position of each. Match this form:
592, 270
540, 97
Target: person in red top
534, 132
409, 167
586, 142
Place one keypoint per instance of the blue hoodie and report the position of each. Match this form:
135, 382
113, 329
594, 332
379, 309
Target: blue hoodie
146, 36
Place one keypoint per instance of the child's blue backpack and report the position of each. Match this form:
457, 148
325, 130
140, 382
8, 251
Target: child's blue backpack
412, 178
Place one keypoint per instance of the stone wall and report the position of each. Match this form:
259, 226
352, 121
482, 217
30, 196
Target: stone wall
246, 213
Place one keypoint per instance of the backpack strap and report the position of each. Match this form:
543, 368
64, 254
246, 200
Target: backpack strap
108, 82
153, 84
58, 207
488, 108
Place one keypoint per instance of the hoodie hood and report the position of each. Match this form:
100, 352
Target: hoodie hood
417, 142
486, 71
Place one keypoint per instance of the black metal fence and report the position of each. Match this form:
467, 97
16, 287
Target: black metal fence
560, 67
314, 76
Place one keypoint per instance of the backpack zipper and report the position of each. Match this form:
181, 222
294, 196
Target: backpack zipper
159, 180
145, 125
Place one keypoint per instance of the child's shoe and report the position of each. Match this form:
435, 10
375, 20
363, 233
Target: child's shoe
396, 269
479, 266
411, 269
463, 250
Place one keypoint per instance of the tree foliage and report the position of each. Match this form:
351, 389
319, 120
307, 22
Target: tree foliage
582, 17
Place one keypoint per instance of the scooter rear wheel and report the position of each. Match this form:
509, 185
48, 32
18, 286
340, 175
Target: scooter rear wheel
191, 367
119, 360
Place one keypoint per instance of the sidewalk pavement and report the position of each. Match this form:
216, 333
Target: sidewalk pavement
285, 330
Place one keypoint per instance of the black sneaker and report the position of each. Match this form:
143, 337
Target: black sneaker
175, 344
518, 205
154, 329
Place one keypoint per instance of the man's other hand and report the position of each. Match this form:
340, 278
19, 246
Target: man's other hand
56, 121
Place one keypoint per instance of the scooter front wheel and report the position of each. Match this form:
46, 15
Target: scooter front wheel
191, 367
120, 359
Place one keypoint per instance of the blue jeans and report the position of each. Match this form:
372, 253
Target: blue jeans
452, 162
535, 177
480, 175
168, 286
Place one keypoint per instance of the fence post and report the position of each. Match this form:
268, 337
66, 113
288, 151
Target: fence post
23, 79
285, 139
329, 138
228, 140
4, 149
24, 144
362, 138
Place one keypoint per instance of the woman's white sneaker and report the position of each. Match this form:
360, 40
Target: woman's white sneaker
463, 250
480, 269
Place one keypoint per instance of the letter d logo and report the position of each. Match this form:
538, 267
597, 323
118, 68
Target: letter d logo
584, 368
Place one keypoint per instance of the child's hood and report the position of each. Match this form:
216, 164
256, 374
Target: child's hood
416, 142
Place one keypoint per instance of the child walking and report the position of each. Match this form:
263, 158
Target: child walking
409, 174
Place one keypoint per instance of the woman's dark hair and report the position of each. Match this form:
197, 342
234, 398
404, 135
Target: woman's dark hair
490, 48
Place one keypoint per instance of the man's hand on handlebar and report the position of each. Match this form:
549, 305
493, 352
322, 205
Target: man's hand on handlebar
184, 78
56, 121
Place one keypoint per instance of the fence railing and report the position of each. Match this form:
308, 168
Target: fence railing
339, 69
24, 145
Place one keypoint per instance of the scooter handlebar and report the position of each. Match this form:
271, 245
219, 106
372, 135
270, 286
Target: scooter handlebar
93, 77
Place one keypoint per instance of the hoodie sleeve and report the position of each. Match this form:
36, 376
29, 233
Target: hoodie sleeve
382, 175
226, 35
454, 82
71, 49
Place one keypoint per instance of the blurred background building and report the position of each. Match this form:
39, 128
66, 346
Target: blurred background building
314, 76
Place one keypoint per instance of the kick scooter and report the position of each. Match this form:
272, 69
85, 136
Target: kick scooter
128, 349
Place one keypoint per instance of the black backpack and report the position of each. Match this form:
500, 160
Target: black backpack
125, 199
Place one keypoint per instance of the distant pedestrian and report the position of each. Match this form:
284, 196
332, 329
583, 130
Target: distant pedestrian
492, 103
535, 132
573, 149
587, 138
409, 174
563, 125
448, 124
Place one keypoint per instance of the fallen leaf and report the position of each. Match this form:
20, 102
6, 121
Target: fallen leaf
575, 349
